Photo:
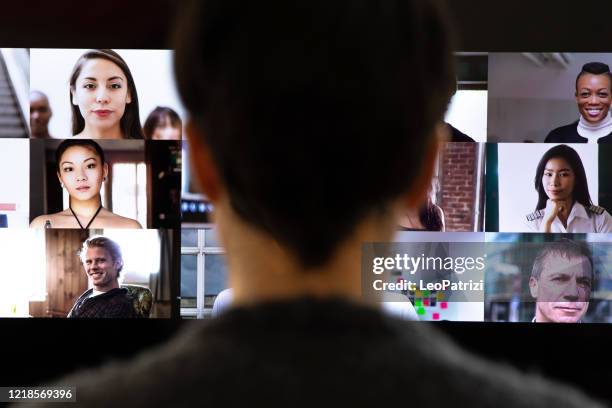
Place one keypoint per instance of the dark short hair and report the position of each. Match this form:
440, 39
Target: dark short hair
595, 68
317, 113
130, 121
564, 248
581, 187
158, 115
68, 143
113, 249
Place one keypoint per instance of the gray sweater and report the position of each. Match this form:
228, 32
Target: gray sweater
313, 353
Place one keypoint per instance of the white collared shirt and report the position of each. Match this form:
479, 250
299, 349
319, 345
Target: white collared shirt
578, 220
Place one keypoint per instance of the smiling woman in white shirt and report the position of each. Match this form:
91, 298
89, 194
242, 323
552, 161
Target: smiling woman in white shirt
564, 203
593, 99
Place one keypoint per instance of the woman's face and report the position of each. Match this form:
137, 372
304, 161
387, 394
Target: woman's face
82, 172
593, 97
101, 93
165, 131
558, 179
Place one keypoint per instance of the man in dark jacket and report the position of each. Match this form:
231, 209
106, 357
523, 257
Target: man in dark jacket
103, 263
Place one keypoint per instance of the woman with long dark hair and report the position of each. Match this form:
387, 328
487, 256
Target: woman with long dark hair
564, 203
103, 97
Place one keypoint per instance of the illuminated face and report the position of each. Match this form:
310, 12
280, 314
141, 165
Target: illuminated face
593, 97
81, 172
558, 179
40, 113
101, 93
101, 268
165, 131
563, 289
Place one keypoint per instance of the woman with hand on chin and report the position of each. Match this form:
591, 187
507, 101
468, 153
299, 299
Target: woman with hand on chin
593, 97
103, 98
564, 203
81, 170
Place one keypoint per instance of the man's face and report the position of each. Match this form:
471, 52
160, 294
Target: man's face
40, 113
101, 269
563, 289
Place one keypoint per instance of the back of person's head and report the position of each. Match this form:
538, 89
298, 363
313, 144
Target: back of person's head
316, 113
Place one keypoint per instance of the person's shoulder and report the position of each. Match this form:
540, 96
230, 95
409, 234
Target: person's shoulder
85, 294
439, 211
597, 210
120, 291
120, 294
113, 220
535, 216
533, 220
565, 134
130, 223
440, 214
41, 220
120, 304
603, 219
223, 301
605, 139
212, 358
73, 311
164, 376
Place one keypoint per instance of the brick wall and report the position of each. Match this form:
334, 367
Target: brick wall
457, 178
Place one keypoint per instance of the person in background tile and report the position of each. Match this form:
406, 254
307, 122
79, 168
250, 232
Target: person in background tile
163, 124
40, 115
103, 97
82, 170
561, 282
103, 262
593, 98
564, 203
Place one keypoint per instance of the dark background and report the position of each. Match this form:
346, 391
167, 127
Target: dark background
481, 25
38, 350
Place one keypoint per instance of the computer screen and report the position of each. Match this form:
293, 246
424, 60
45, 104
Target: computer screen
97, 190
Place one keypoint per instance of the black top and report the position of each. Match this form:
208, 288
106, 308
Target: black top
311, 353
116, 303
569, 134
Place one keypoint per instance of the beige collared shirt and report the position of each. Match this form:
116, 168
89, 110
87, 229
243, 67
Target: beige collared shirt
578, 220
